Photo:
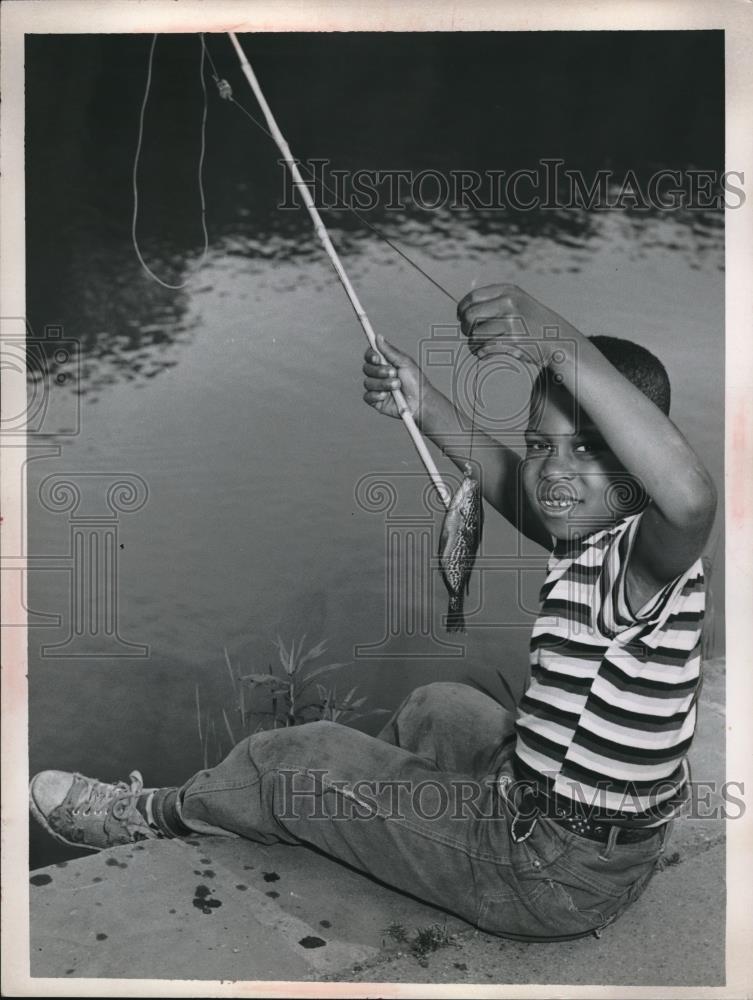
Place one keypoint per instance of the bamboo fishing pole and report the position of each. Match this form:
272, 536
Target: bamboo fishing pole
321, 232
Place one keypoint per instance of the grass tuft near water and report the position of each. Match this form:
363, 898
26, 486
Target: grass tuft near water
293, 691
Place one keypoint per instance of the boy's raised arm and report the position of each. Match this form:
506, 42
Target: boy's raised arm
678, 519
437, 418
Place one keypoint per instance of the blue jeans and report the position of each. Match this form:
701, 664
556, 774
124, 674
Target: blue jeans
419, 807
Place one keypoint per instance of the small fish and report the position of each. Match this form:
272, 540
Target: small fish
458, 544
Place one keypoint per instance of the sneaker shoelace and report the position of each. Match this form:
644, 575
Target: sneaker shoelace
120, 797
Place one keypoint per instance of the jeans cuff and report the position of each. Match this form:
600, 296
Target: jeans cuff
164, 809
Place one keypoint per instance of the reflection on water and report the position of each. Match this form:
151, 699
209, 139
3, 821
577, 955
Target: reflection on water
134, 329
83, 95
238, 400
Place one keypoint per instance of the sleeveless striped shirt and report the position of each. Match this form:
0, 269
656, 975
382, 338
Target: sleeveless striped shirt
610, 709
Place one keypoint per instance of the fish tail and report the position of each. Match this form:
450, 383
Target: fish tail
455, 616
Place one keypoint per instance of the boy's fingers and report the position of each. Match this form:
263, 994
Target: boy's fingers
490, 329
389, 352
381, 384
374, 397
482, 312
379, 371
483, 294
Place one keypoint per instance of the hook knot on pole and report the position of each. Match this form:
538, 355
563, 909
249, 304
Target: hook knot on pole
226, 91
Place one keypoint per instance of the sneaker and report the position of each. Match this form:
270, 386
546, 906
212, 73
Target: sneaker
82, 812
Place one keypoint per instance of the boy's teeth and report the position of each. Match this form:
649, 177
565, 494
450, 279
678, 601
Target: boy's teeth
559, 503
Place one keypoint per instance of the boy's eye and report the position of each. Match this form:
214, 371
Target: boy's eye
540, 446
589, 447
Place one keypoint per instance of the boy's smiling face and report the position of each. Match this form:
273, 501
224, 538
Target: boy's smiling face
571, 478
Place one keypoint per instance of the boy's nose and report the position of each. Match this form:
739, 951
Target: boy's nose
558, 466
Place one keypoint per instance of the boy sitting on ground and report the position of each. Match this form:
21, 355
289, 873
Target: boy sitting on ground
542, 826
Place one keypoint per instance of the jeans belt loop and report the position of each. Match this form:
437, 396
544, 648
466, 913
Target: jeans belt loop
663, 833
523, 825
521, 829
606, 854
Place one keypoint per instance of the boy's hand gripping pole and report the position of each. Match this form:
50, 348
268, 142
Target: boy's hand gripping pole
321, 232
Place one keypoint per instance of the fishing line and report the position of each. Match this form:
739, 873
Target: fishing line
226, 92
321, 231
475, 401
273, 132
152, 275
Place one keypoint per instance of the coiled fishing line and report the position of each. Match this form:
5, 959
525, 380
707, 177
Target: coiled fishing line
134, 224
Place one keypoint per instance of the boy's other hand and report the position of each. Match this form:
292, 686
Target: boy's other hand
394, 370
503, 319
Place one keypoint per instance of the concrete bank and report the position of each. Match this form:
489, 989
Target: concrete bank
219, 908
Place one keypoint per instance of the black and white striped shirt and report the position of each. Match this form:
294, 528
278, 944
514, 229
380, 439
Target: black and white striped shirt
610, 709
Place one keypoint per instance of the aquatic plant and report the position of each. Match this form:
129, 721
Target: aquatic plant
333, 710
287, 695
285, 689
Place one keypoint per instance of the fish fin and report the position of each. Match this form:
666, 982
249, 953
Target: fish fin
456, 621
455, 616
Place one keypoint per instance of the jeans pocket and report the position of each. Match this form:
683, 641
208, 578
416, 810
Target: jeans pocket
541, 910
573, 908
579, 900
514, 914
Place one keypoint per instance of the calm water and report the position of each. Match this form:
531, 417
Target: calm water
238, 400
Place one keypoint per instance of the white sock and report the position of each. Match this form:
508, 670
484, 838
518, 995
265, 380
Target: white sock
149, 811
